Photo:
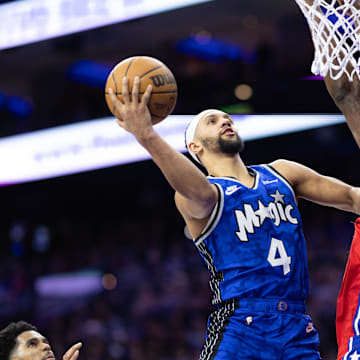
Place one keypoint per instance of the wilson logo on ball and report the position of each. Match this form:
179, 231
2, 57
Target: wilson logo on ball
152, 72
162, 79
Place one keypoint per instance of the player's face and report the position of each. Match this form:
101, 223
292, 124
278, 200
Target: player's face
30, 345
217, 133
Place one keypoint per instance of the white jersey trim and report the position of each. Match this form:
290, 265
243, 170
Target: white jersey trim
350, 348
356, 322
218, 321
279, 176
214, 217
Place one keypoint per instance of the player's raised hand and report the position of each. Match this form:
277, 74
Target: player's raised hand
133, 114
73, 352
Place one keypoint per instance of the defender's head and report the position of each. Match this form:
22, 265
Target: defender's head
21, 341
212, 131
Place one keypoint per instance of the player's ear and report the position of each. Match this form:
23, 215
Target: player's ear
195, 147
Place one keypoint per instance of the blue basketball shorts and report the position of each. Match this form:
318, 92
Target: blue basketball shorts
260, 329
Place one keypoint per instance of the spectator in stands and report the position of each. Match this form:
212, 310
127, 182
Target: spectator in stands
21, 341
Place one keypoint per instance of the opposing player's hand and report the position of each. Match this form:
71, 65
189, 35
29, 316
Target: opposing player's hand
73, 352
132, 114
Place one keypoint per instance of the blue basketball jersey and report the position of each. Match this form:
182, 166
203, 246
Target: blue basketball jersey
253, 244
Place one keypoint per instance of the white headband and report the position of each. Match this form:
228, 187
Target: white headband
191, 130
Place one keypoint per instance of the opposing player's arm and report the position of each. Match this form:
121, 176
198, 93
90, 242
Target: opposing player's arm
324, 190
346, 96
195, 196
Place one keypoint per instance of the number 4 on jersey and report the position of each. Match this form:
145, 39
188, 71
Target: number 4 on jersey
278, 256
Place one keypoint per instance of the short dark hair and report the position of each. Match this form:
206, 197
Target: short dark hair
8, 337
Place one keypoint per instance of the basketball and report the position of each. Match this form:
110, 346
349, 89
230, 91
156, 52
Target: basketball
151, 72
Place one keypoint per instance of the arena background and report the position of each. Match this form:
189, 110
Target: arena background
119, 225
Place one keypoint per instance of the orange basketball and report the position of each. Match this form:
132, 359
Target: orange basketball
151, 71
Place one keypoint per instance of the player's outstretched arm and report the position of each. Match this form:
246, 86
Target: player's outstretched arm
346, 96
197, 196
73, 352
324, 190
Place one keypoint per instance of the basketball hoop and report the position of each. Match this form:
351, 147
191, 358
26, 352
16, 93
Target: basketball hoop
335, 30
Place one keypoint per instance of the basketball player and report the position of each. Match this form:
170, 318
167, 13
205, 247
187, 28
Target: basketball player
21, 341
346, 95
347, 309
247, 227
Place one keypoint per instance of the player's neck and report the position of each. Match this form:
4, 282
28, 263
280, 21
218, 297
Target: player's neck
230, 166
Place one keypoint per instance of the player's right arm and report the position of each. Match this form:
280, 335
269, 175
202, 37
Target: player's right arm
195, 196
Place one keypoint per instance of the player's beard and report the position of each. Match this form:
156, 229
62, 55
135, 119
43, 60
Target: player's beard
231, 146
225, 146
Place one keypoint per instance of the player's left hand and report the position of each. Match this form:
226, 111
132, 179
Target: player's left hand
73, 352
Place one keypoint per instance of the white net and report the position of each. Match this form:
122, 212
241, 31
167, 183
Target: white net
335, 30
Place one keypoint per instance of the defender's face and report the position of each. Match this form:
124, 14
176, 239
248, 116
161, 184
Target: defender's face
30, 345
